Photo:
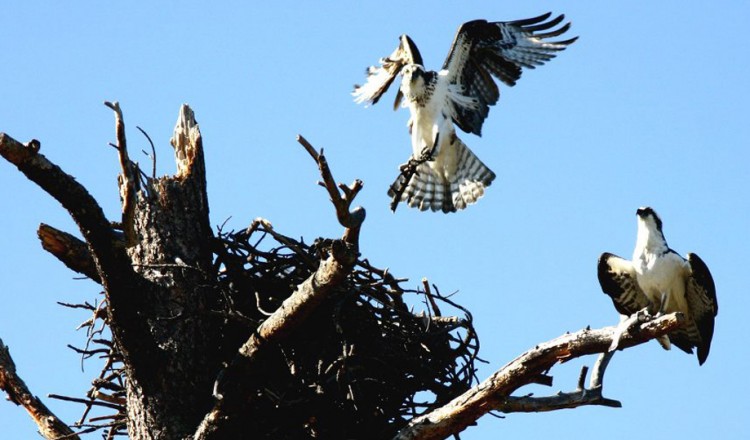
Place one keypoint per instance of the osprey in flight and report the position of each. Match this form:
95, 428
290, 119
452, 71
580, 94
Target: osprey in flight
661, 281
448, 175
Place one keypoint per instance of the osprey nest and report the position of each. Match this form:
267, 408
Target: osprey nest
361, 366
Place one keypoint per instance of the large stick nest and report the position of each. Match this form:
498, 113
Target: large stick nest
359, 368
363, 364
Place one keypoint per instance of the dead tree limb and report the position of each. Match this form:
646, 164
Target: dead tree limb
287, 318
49, 425
71, 251
112, 263
349, 219
128, 178
494, 392
582, 396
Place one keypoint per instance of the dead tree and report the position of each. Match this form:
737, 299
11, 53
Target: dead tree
251, 333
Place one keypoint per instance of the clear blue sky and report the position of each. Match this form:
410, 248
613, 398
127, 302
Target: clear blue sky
649, 107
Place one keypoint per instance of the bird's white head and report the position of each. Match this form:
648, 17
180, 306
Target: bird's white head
650, 235
413, 80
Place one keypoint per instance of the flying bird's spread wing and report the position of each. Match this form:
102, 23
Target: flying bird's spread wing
484, 49
379, 78
618, 280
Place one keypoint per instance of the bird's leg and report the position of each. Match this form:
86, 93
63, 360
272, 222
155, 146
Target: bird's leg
662, 305
428, 152
424, 156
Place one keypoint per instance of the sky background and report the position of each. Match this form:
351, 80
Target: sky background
649, 107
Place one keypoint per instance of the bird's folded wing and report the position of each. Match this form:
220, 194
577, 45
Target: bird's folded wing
701, 298
618, 280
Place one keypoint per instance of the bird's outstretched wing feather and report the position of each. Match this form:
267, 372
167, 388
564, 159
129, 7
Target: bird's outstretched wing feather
379, 78
484, 49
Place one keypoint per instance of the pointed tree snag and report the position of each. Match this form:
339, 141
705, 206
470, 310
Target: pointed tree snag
171, 249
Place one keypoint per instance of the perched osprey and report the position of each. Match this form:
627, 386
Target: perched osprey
661, 281
459, 94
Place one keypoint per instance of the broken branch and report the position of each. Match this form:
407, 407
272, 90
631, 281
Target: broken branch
49, 425
351, 220
71, 251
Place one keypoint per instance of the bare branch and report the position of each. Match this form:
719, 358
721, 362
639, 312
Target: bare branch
153, 151
351, 220
112, 263
71, 251
49, 425
494, 392
580, 397
128, 178
85, 211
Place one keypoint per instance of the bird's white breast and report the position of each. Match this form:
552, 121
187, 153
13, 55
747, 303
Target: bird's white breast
663, 274
428, 118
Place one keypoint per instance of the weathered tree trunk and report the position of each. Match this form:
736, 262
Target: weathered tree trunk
169, 243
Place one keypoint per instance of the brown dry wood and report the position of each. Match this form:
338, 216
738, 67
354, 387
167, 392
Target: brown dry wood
50, 427
169, 246
112, 263
580, 397
70, 250
351, 220
493, 392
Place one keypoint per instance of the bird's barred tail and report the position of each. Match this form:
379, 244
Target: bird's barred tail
434, 189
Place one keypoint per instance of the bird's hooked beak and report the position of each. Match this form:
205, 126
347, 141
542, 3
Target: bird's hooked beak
646, 213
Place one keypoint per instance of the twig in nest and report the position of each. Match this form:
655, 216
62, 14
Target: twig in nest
264, 225
351, 220
428, 294
408, 170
